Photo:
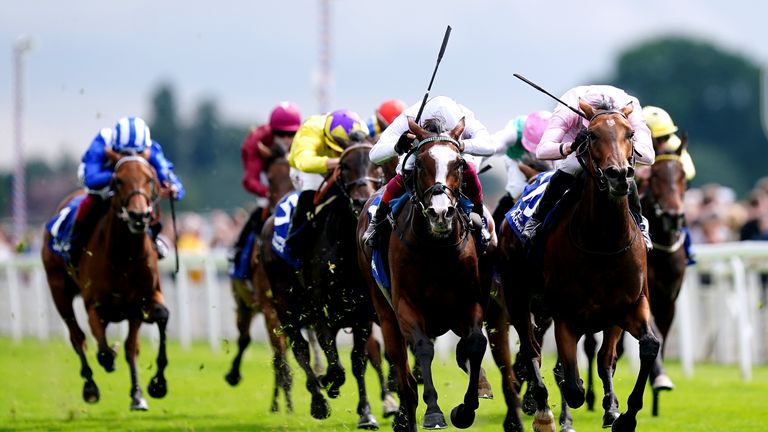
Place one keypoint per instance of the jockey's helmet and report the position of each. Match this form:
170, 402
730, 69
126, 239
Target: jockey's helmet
389, 110
535, 125
130, 135
285, 117
338, 127
659, 121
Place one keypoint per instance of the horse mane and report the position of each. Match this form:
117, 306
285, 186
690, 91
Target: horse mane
606, 105
434, 125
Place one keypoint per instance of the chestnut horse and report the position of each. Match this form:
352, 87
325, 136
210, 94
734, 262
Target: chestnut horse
254, 296
435, 279
117, 278
593, 276
328, 292
662, 203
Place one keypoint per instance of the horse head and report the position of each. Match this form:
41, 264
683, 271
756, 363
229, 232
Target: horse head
608, 153
135, 188
666, 186
358, 178
439, 169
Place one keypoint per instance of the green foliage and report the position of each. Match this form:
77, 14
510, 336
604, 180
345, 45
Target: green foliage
42, 391
710, 93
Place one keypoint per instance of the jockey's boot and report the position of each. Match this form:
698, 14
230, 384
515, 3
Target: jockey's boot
558, 184
161, 246
379, 218
301, 223
634, 207
478, 224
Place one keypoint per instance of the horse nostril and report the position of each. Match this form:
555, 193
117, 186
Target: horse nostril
450, 212
630, 172
612, 172
432, 213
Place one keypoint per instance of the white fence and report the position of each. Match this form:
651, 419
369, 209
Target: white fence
721, 312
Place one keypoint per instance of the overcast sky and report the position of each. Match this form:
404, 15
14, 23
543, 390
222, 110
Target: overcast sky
94, 61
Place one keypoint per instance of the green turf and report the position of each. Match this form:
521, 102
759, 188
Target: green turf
41, 390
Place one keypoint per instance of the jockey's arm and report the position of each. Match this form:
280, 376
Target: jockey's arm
252, 166
96, 170
164, 169
549, 146
305, 151
478, 141
384, 149
643, 141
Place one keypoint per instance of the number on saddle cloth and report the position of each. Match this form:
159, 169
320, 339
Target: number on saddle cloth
283, 214
524, 208
60, 227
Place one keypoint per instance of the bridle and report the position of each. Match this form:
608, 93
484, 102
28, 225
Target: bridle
671, 223
419, 198
345, 187
584, 150
122, 211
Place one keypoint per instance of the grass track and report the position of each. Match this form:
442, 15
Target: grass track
41, 390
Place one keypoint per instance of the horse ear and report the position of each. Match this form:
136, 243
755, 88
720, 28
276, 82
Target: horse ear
587, 109
416, 129
458, 130
683, 144
628, 108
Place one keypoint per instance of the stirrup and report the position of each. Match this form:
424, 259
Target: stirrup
646, 233
161, 247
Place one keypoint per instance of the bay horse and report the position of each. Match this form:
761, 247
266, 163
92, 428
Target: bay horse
328, 292
662, 204
593, 276
435, 278
254, 296
117, 278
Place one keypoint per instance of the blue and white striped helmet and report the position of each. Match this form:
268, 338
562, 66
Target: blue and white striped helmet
131, 135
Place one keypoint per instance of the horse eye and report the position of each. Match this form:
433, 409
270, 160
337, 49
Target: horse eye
118, 182
630, 134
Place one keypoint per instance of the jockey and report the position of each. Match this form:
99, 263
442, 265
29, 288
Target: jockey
316, 150
260, 148
130, 136
665, 139
397, 140
567, 130
384, 115
518, 140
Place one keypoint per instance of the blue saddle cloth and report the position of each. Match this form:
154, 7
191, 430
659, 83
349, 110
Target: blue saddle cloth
283, 214
60, 228
527, 204
241, 268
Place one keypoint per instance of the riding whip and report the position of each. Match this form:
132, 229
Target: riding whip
532, 84
439, 57
175, 235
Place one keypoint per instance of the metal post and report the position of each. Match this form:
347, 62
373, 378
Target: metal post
684, 321
324, 58
14, 300
213, 308
744, 327
19, 198
183, 305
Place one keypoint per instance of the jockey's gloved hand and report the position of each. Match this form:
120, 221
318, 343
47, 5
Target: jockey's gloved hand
404, 143
580, 139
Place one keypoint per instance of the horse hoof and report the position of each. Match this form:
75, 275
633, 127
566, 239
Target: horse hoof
609, 418
590, 399
157, 387
567, 428
233, 378
139, 404
485, 393
512, 425
434, 420
367, 422
462, 417
662, 382
275, 407
320, 409
529, 404
624, 424
107, 360
400, 422
544, 421
390, 406
91, 392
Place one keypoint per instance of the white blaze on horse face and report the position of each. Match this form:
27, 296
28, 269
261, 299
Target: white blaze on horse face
443, 156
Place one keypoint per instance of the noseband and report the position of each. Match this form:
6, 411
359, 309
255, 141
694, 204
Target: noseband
151, 199
437, 188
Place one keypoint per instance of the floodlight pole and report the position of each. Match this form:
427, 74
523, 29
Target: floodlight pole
19, 194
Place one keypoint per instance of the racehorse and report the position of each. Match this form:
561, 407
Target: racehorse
435, 279
254, 297
328, 292
593, 276
662, 203
117, 278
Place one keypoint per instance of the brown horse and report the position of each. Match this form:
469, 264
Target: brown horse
117, 278
593, 276
435, 280
254, 296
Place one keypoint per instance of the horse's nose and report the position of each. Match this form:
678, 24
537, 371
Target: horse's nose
139, 218
614, 173
441, 215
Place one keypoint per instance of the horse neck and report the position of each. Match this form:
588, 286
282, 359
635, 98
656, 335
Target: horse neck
600, 219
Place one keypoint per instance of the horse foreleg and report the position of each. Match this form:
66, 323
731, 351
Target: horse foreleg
359, 360
276, 338
469, 356
606, 367
245, 313
658, 378
373, 351
498, 337
590, 348
565, 420
158, 387
638, 325
397, 353
573, 387
424, 350
319, 408
106, 355
334, 376
138, 403
317, 352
